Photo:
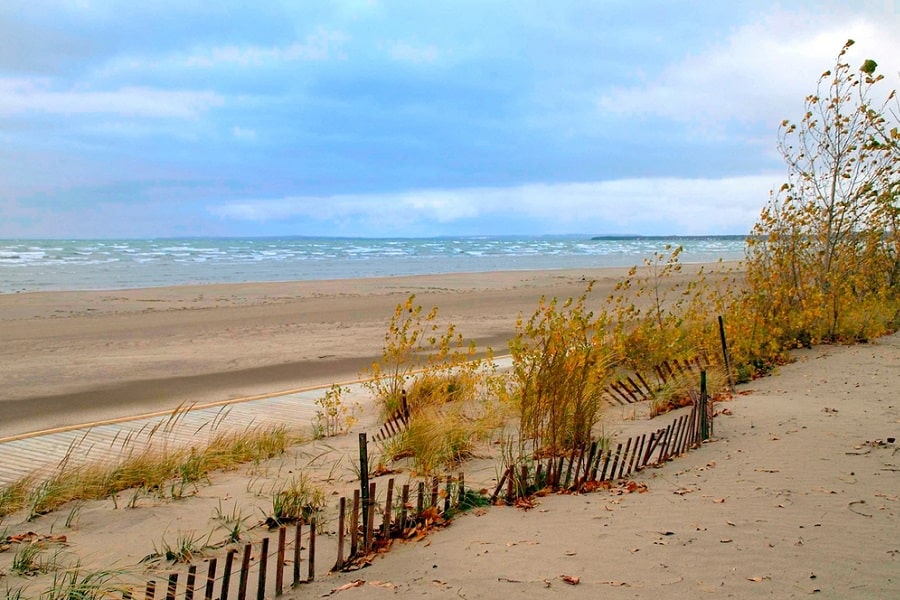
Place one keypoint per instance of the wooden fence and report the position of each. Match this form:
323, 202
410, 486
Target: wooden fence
599, 462
629, 389
256, 566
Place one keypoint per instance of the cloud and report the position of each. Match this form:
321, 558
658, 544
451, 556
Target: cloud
321, 45
410, 53
19, 96
663, 205
759, 71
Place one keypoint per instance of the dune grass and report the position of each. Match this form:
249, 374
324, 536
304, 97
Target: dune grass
160, 469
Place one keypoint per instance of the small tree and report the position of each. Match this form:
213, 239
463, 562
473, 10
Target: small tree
821, 257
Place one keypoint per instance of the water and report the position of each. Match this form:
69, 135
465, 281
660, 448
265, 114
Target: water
36, 265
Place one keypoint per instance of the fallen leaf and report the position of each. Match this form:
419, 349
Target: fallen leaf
726, 541
353, 584
383, 584
719, 500
757, 579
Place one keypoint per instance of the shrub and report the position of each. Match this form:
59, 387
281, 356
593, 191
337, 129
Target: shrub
560, 366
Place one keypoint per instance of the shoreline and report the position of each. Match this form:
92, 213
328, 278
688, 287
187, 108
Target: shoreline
79, 356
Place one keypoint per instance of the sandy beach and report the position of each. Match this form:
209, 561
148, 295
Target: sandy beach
74, 357
797, 494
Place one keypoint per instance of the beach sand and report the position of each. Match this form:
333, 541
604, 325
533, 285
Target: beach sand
798, 493
68, 358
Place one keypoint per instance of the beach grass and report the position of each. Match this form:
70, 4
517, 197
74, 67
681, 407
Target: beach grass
159, 469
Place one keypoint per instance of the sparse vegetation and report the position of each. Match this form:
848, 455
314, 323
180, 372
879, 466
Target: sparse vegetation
333, 416
186, 547
297, 500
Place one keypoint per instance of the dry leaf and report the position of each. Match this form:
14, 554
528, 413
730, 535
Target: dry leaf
383, 584
757, 579
719, 500
353, 584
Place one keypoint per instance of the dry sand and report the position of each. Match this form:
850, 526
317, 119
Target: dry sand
73, 357
797, 495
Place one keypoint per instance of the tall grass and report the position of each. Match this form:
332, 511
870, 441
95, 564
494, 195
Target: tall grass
163, 471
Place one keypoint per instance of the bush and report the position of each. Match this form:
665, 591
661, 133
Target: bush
560, 366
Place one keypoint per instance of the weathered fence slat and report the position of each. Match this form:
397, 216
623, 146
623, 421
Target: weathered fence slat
280, 559
245, 572
191, 581
311, 573
263, 569
210, 579
297, 548
172, 586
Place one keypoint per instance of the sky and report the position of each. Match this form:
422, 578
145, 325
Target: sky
379, 118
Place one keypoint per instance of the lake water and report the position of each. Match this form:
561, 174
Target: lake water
35, 265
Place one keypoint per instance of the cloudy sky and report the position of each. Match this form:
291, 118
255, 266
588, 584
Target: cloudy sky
123, 118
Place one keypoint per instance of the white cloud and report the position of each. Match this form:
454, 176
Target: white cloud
665, 205
411, 53
321, 45
34, 95
761, 72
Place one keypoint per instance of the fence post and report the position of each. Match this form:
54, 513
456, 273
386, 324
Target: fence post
226, 576
447, 494
245, 572
364, 478
369, 511
172, 586
704, 415
388, 507
404, 502
210, 580
298, 534
725, 354
311, 575
279, 572
191, 581
354, 525
263, 568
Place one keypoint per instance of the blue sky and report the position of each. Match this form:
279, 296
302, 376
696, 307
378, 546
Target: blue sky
122, 118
